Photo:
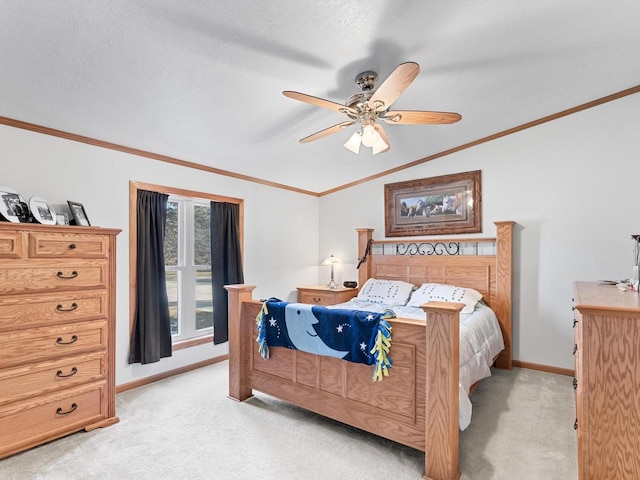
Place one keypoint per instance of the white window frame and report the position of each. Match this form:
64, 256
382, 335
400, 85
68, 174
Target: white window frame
186, 269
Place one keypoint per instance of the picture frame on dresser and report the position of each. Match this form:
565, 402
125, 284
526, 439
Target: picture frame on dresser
62, 219
42, 212
13, 208
79, 214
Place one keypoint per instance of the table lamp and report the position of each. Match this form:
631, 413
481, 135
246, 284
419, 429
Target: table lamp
331, 260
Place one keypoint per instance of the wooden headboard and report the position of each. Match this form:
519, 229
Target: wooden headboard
484, 264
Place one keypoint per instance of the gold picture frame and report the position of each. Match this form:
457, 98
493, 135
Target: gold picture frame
444, 205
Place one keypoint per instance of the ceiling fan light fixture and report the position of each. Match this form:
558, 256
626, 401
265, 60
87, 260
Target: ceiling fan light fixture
379, 146
354, 142
370, 136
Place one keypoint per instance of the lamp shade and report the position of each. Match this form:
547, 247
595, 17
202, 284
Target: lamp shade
331, 260
379, 146
369, 136
354, 142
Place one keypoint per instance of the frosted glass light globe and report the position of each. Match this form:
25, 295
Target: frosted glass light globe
369, 136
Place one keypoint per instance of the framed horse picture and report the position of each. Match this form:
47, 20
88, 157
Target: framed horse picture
444, 205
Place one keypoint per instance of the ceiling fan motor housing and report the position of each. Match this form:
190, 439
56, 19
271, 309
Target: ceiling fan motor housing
358, 100
367, 80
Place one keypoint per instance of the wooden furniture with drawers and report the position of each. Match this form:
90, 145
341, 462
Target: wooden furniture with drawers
57, 332
607, 357
323, 295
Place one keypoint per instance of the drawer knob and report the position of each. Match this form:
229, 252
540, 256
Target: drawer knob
316, 299
72, 246
59, 373
74, 406
74, 274
73, 306
74, 339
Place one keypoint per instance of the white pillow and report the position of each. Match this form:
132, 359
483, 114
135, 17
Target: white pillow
438, 292
388, 292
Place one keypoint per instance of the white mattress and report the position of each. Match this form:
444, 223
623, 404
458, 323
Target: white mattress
480, 341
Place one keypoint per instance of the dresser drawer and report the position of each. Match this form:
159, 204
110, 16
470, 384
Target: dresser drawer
49, 376
316, 298
325, 296
578, 348
24, 346
67, 245
12, 245
28, 311
26, 424
578, 378
17, 277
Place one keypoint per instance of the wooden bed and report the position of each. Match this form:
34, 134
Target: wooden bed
417, 404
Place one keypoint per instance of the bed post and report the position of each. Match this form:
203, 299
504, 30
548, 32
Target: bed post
364, 272
237, 294
442, 402
504, 273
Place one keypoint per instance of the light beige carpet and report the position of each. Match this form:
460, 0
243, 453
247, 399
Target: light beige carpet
185, 427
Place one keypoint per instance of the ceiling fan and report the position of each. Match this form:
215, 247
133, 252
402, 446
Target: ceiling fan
368, 107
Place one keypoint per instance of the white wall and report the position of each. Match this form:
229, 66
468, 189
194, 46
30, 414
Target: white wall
572, 186
59, 170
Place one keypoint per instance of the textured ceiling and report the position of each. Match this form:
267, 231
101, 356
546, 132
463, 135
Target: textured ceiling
202, 81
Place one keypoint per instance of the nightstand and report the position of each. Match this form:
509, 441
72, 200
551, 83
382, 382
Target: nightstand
323, 295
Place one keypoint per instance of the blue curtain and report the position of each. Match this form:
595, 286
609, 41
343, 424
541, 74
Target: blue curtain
226, 262
151, 338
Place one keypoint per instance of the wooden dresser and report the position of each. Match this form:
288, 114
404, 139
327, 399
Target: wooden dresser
323, 295
607, 363
57, 332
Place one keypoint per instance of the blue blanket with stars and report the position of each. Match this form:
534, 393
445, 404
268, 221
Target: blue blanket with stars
353, 335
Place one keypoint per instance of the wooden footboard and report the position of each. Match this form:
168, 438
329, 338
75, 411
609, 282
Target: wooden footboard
415, 405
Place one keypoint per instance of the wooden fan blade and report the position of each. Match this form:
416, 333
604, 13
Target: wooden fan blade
326, 131
414, 117
396, 83
319, 102
383, 134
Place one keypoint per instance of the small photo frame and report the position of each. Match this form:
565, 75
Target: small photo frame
12, 206
8, 200
79, 215
62, 219
42, 211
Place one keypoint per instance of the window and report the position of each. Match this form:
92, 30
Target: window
188, 267
187, 260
